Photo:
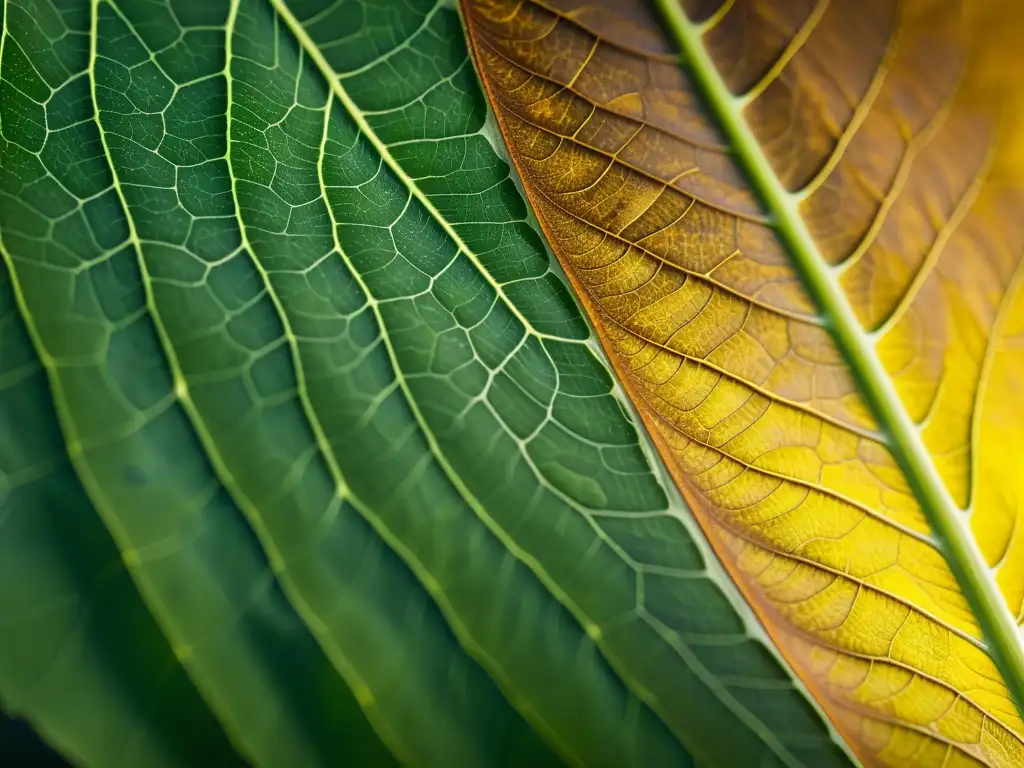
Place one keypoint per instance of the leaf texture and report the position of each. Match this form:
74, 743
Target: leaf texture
848, 446
305, 448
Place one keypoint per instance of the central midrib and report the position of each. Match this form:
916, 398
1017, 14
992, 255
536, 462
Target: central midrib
946, 518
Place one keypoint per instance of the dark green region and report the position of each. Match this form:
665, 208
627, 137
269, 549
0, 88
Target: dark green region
20, 745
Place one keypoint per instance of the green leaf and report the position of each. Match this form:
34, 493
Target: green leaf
309, 446
78, 651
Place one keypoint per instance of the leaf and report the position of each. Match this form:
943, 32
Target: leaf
826, 355
66, 599
305, 446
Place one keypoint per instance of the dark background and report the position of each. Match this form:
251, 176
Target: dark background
19, 745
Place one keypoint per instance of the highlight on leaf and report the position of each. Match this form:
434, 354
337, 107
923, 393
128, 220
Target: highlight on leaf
796, 228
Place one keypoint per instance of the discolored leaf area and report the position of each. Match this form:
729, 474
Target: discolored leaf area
796, 227
307, 456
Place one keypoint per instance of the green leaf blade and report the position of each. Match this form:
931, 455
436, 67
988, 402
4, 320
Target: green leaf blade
80, 657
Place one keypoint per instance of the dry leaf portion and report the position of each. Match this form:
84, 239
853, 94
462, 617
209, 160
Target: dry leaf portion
869, 114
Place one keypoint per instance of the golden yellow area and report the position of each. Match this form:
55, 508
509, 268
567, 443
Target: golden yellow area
884, 122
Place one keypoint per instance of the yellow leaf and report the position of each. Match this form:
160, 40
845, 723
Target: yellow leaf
830, 358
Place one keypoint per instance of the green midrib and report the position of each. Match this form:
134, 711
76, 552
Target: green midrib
946, 518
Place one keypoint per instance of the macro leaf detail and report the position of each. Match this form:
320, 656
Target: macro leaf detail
819, 323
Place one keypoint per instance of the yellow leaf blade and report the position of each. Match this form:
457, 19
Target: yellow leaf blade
869, 123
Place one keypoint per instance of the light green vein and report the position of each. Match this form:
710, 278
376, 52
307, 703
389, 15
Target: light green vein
904, 440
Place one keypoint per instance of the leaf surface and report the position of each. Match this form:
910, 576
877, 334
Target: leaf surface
819, 323
66, 597
307, 376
